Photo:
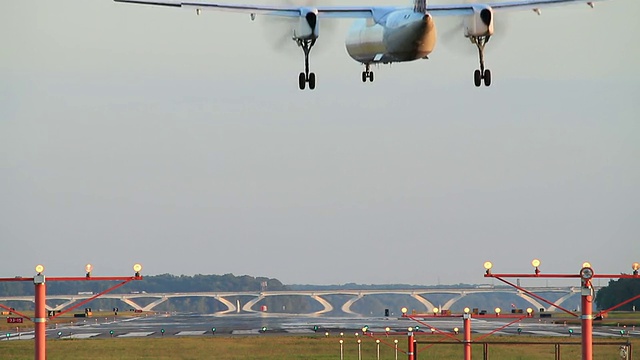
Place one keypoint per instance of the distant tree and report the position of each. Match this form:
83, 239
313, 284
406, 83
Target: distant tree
617, 292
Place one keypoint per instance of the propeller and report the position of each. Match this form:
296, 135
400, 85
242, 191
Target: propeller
451, 33
279, 30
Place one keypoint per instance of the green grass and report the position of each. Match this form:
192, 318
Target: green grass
273, 347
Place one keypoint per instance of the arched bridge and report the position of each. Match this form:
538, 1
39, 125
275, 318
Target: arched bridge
421, 295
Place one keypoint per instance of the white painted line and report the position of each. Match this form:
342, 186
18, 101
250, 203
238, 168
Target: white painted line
136, 334
300, 331
245, 332
545, 333
80, 336
190, 333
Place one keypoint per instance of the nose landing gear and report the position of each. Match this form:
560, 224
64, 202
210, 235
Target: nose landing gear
367, 74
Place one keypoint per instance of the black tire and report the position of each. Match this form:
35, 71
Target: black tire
371, 76
302, 80
487, 77
477, 78
364, 76
312, 81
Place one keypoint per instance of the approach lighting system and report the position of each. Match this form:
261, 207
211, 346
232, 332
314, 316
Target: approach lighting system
466, 310
536, 263
456, 330
497, 310
137, 268
586, 264
529, 311
213, 331
326, 334
39, 269
570, 332
341, 341
435, 311
487, 266
635, 266
404, 310
387, 329
417, 327
87, 269
111, 333
410, 329
162, 332
315, 328
586, 273
519, 330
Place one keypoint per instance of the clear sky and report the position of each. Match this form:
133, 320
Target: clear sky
140, 134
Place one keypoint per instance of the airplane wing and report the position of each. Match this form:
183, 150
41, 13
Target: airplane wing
352, 12
467, 9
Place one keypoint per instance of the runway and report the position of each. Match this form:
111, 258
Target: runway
183, 325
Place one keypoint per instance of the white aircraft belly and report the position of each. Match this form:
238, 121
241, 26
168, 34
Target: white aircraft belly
365, 42
411, 37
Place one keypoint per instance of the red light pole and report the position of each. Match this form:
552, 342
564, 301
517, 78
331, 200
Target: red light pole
411, 345
466, 322
40, 318
585, 275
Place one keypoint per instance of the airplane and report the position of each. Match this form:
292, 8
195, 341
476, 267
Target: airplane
382, 34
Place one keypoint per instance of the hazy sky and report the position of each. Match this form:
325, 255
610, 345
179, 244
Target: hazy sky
140, 134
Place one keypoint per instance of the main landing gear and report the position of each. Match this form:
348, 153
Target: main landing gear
483, 74
367, 74
306, 77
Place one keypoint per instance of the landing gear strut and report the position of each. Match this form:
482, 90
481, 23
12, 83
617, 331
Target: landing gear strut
306, 77
482, 74
367, 73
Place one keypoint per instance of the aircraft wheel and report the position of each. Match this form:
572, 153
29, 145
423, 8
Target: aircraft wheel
371, 76
312, 81
487, 77
364, 76
302, 79
477, 78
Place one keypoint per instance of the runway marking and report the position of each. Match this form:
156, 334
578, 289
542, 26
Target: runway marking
300, 331
545, 333
80, 336
21, 337
136, 334
245, 332
190, 333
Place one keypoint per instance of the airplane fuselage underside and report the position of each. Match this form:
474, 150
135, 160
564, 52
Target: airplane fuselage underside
400, 36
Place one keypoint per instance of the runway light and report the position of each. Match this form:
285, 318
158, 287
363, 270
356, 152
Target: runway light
404, 310
59, 334
341, 334
213, 330
497, 310
410, 329
536, 263
87, 269
586, 264
570, 332
519, 331
435, 311
433, 330
586, 273
137, 268
395, 342
387, 329
466, 310
529, 311
487, 266
377, 341
456, 330
39, 269
326, 334
635, 266
341, 341
417, 328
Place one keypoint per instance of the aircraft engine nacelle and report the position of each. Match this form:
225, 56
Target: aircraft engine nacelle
308, 25
480, 23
